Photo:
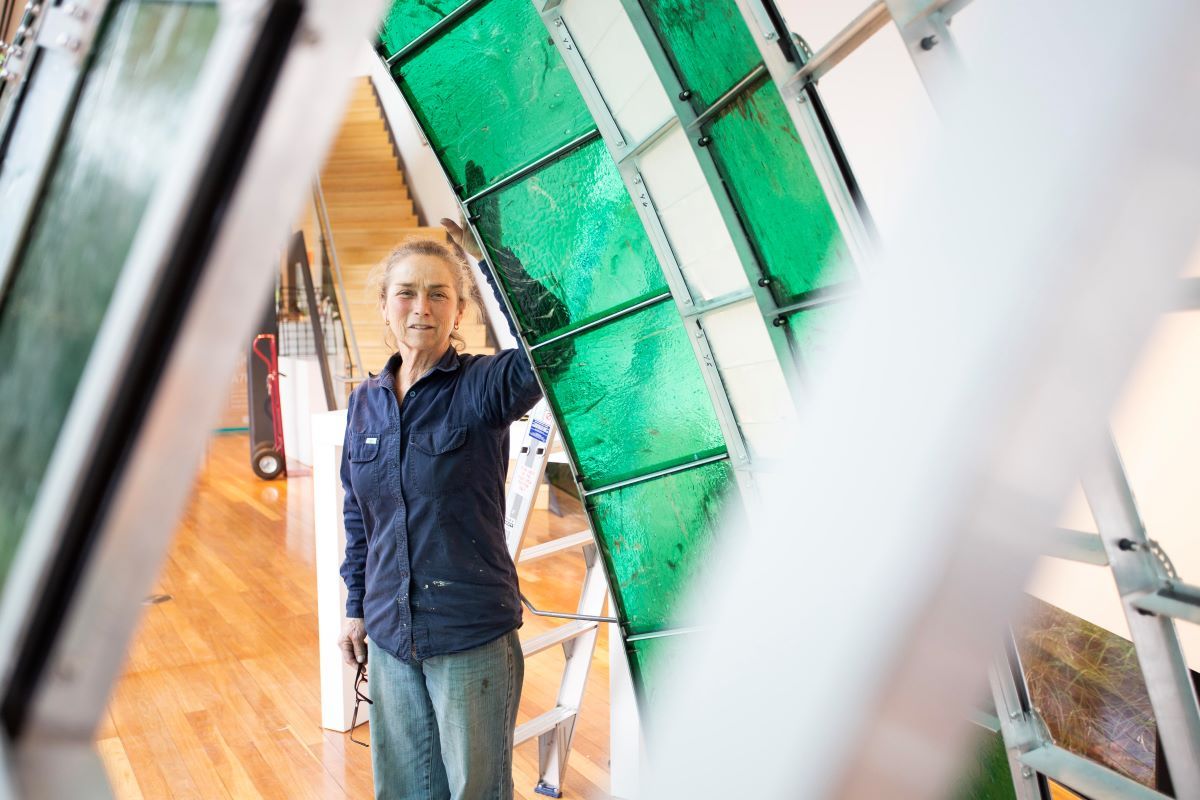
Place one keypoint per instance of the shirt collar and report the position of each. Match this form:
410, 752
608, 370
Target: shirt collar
387, 378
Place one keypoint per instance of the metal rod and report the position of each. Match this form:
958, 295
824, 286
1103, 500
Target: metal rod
699, 462
298, 259
724, 100
438, 27
637, 637
564, 614
845, 42
820, 297
578, 141
343, 300
651, 139
1137, 572
624, 312
718, 303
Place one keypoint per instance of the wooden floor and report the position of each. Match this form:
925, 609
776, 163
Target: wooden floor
220, 694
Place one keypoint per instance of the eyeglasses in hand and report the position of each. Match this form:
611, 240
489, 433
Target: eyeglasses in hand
360, 697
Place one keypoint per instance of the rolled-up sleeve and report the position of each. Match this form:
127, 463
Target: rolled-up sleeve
354, 566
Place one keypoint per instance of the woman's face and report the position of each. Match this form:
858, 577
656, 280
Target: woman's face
421, 304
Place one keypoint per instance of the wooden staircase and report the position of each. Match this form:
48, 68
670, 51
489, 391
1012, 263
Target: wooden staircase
370, 212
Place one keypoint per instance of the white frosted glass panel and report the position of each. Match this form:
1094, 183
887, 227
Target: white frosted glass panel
758, 393
589, 20
753, 379
618, 63
671, 170
690, 216
738, 336
644, 112
768, 441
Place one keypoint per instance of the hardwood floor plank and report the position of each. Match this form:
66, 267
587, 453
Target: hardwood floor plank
221, 693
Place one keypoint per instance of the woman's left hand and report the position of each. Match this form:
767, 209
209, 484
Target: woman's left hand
460, 240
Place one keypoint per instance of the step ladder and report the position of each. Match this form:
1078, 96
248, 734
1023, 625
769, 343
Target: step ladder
555, 728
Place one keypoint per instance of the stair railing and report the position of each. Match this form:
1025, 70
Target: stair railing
325, 233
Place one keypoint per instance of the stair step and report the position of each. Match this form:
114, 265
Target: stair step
568, 542
542, 723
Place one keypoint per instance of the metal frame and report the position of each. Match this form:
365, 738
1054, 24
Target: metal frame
648, 214
127, 536
686, 116
1024, 453
36, 121
1139, 573
1032, 755
797, 98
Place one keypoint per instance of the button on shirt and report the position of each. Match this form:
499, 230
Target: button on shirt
426, 564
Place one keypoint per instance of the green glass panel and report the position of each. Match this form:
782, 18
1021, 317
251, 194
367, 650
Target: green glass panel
119, 142
655, 664
568, 243
630, 397
408, 19
1086, 684
777, 194
988, 777
707, 42
492, 94
811, 331
655, 537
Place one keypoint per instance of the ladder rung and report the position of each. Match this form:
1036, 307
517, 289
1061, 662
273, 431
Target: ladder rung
1167, 603
554, 546
1081, 546
558, 635
542, 723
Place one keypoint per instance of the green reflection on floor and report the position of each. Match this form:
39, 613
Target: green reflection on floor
777, 194
630, 397
492, 94
656, 537
120, 142
568, 243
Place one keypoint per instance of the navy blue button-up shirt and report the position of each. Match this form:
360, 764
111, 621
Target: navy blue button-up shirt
426, 564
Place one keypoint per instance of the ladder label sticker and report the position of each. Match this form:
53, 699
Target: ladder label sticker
539, 430
373, 440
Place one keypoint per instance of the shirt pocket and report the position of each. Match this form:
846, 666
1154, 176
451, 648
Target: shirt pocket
439, 460
363, 454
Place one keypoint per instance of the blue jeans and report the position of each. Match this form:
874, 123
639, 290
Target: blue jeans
442, 728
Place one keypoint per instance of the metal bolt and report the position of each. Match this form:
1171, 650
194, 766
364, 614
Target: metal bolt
779, 321
802, 97
929, 42
74, 11
686, 94
704, 141
1014, 715
68, 42
637, 179
764, 281
1026, 772
558, 22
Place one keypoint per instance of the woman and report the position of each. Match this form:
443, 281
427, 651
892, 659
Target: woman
428, 574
